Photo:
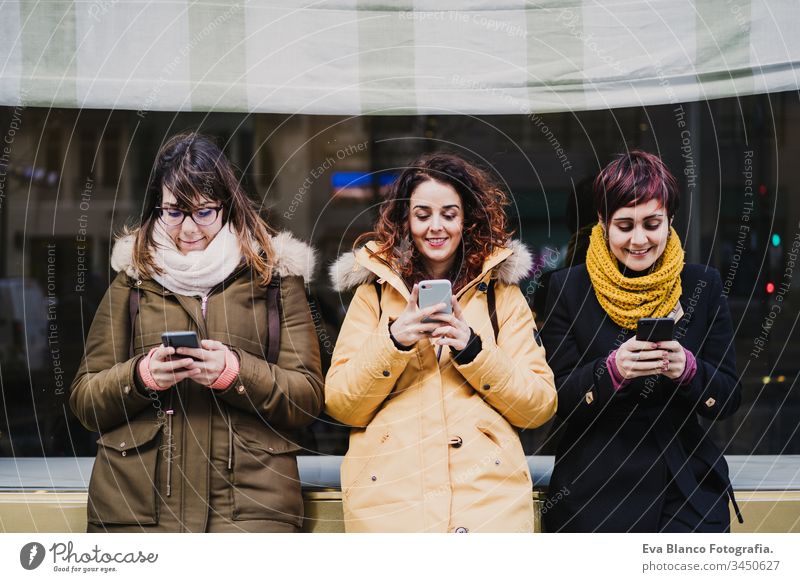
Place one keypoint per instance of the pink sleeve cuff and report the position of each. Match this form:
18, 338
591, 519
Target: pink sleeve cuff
144, 371
617, 381
229, 373
690, 370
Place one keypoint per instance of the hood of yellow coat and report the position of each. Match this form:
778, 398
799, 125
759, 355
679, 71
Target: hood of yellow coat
510, 264
293, 257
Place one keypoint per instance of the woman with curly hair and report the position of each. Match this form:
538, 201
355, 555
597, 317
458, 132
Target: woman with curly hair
433, 446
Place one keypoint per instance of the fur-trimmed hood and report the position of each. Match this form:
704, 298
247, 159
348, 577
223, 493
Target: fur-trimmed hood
511, 264
293, 257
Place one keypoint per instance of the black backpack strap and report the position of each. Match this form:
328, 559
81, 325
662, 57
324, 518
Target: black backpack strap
378, 290
273, 320
491, 301
732, 497
133, 306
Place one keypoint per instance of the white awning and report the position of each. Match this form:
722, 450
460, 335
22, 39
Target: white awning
360, 57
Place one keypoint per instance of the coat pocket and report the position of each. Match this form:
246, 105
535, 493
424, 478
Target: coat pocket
123, 487
505, 456
266, 482
359, 481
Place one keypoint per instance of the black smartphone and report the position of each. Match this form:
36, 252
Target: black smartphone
655, 329
180, 339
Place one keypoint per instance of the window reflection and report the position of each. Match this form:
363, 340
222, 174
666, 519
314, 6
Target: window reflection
70, 180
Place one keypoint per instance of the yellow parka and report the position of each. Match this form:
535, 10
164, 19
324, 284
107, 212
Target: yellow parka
433, 446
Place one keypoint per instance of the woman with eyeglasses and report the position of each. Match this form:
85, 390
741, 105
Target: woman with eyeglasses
200, 439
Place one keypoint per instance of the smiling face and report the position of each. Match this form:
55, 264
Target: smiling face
637, 235
436, 221
188, 236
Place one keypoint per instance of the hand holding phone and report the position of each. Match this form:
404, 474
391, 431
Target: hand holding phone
186, 357
646, 354
453, 330
167, 368
209, 360
410, 326
636, 358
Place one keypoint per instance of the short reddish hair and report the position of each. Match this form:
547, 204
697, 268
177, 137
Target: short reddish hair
635, 177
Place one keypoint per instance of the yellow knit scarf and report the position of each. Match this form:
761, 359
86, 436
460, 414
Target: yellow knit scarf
626, 299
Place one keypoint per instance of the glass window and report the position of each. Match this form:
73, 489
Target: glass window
112, 157
734, 159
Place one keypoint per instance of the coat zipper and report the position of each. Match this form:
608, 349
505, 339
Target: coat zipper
230, 440
170, 414
171, 411
203, 308
185, 300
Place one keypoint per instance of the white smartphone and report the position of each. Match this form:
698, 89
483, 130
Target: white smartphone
435, 291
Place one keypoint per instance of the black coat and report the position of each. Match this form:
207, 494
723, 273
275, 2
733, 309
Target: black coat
619, 449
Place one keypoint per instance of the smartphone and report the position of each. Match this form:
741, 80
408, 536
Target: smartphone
435, 291
655, 329
180, 339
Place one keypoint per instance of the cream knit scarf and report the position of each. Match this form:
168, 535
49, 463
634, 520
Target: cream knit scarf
196, 272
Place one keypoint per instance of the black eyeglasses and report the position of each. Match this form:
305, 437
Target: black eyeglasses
202, 216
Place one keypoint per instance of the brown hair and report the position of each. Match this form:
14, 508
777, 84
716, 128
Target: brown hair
191, 165
485, 220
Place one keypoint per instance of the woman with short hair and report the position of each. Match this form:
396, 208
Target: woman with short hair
634, 456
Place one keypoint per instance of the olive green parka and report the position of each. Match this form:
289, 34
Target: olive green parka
190, 458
